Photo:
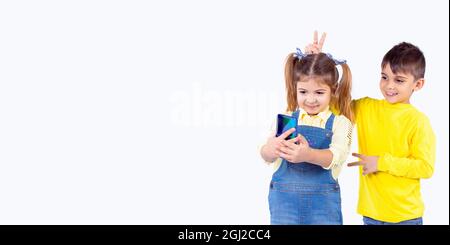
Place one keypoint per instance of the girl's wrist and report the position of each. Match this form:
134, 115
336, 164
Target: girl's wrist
309, 154
266, 154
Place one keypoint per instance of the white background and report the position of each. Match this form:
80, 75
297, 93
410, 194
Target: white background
139, 112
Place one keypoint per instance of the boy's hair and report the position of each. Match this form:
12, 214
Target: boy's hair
323, 69
406, 58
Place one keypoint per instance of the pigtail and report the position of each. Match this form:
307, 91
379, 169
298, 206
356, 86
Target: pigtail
343, 93
291, 91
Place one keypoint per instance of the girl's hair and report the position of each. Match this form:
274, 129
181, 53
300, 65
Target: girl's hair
322, 69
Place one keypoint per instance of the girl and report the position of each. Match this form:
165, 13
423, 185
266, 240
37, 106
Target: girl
304, 187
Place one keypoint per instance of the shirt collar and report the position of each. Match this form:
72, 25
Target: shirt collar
323, 115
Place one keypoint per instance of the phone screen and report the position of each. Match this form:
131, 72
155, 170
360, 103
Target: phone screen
284, 123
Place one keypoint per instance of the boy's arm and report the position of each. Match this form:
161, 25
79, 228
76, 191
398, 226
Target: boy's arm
420, 162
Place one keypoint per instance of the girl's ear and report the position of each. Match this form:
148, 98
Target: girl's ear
419, 84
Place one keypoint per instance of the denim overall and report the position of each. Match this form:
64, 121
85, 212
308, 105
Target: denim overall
305, 193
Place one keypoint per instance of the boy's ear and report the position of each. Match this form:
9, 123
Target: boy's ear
419, 84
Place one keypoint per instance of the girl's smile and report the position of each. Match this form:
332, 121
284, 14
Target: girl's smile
313, 96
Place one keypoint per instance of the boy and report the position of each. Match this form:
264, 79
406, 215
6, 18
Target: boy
396, 141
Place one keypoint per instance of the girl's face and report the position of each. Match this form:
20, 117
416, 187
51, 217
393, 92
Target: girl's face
313, 96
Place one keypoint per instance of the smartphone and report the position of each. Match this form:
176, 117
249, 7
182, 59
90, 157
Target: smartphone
284, 123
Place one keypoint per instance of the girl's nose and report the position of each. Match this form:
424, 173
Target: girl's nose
311, 99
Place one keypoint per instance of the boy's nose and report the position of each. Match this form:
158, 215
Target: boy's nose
390, 84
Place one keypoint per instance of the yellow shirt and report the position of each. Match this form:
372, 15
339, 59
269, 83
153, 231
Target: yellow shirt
341, 141
403, 139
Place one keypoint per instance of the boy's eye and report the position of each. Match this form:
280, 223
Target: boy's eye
383, 77
399, 81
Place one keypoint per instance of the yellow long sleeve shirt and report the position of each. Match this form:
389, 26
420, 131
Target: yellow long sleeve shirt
403, 139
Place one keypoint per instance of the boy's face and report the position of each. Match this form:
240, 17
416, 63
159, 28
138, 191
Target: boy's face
313, 96
398, 88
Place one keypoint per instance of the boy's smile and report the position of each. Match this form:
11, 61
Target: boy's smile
398, 88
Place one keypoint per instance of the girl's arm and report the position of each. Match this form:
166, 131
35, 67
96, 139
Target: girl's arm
336, 154
319, 157
268, 151
267, 155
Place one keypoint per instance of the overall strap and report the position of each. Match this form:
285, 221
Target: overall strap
296, 114
329, 124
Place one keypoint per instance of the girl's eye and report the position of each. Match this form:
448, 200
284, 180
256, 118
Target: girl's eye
399, 81
383, 77
302, 92
320, 92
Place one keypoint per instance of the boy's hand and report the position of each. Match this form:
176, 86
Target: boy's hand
316, 46
369, 163
292, 152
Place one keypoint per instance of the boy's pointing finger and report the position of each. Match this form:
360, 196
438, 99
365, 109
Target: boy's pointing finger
355, 164
357, 155
315, 37
322, 40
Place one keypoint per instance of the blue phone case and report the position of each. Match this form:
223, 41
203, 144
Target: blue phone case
284, 123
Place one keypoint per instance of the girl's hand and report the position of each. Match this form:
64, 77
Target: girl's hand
369, 163
292, 152
316, 46
270, 148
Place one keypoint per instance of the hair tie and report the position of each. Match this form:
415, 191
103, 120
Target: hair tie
300, 55
336, 61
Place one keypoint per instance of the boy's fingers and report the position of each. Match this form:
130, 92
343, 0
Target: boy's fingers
322, 40
357, 155
309, 49
355, 164
315, 37
365, 171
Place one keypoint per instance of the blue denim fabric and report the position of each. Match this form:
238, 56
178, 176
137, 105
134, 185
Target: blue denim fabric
370, 221
305, 193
